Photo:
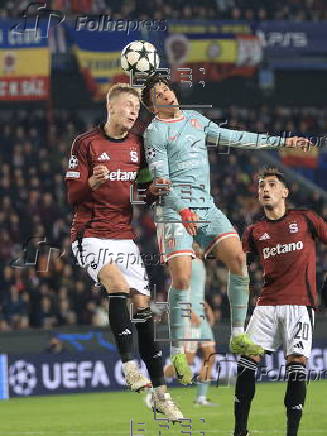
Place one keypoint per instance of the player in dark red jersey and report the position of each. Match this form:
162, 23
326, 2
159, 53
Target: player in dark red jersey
285, 241
104, 164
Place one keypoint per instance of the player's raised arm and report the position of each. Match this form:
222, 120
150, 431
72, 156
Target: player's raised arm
157, 158
240, 138
318, 226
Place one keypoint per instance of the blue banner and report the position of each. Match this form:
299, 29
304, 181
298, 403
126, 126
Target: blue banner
223, 48
286, 38
98, 41
4, 394
24, 59
23, 33
45, 374
279, 38
79, 372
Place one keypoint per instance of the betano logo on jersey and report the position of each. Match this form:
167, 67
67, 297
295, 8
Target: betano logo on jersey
120, 175
281, 249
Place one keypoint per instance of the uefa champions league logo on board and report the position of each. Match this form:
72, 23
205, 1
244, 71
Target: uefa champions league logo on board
22, 377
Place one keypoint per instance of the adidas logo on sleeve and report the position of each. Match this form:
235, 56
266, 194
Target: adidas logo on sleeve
264, 237
125, 332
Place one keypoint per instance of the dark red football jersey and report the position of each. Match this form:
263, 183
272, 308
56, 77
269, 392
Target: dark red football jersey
287, 251
107, 212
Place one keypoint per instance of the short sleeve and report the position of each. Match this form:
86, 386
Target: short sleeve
248, 242
77, 174
318, 226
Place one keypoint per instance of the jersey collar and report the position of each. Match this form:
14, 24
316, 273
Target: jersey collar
170, 120
279, 219
102, 131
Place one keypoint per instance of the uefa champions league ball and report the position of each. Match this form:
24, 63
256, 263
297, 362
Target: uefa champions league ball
140, 56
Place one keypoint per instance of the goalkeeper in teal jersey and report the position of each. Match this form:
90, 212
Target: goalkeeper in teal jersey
176, 151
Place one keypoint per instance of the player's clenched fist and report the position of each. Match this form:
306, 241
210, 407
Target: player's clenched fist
299, 142
189, 219
160, 186
99, 176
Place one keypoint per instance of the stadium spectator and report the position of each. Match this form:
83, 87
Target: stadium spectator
293, 10
55, 346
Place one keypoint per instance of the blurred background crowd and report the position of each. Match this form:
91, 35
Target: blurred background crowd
295, 10
41, 285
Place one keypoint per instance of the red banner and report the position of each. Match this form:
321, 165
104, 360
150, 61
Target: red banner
24, 88
299, 158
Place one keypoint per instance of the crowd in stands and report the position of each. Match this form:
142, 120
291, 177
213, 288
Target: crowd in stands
294, 10
41, 287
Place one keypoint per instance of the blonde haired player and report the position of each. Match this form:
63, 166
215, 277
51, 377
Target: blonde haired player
104, 164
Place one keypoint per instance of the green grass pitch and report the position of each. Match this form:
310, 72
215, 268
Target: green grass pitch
109, 414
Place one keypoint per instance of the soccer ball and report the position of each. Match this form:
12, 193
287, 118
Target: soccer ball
140, 56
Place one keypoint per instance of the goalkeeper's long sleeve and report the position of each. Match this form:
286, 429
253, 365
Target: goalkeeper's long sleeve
241, 138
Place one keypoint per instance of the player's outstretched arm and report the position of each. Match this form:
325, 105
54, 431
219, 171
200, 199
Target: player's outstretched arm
258, 141
248, 140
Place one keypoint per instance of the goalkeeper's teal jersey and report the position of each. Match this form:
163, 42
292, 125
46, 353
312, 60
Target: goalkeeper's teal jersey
177, 150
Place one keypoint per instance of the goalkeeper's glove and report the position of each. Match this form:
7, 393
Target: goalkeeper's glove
188, 220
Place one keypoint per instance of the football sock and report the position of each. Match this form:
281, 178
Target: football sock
121, 325
238, 292
179, 318
202, 390
295, 396
149, 351
244, 392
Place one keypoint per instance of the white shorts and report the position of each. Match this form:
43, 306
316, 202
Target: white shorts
289, 326
122, 252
